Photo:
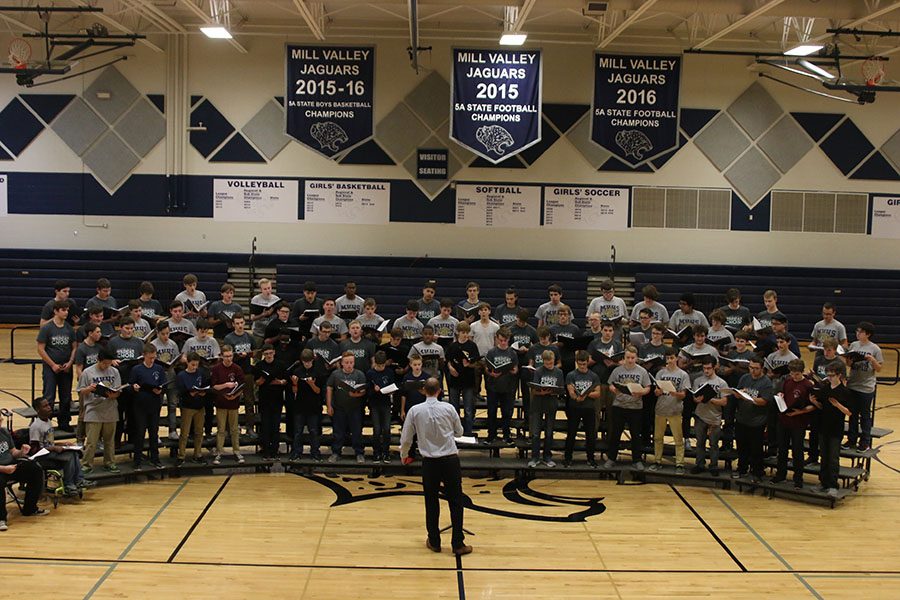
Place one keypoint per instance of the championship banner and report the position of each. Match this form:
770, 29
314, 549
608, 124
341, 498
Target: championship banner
635, 109
496, 101
329, 96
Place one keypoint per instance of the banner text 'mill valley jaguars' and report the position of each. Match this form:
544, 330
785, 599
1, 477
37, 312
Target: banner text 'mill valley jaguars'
635, 109
329, 96
496, 102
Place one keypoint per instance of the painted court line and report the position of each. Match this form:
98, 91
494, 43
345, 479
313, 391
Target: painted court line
772, 550
137, 538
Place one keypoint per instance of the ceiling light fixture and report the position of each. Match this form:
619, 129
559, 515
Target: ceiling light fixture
815, 68
510, 38
216, 32
804, 50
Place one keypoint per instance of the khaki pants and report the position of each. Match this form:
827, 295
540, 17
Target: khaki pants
659, 432
227, 418
93, 432
189, 417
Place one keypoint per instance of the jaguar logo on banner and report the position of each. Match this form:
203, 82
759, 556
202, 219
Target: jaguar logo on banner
635, 109
496, 101
329, 96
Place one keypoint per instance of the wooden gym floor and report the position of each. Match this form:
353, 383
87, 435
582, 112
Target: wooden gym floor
288, 536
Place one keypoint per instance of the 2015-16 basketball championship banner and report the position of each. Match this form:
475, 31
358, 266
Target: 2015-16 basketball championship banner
329, 96
635, 110
495, 106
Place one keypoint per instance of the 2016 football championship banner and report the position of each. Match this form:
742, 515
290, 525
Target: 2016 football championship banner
495, 108
635, 110
329, 96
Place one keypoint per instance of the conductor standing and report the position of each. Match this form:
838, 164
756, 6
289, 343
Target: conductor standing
435, 424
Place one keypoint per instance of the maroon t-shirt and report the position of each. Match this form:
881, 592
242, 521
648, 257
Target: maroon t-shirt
222, 374
796, 396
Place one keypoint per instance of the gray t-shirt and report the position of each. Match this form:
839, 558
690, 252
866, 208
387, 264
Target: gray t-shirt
86, 356
206, 348
412, 329
41, 431
609, 310
432, 354
709, 413
835, 329
344, 304
98, 409
106, 328
667, 405
371, 322
660, 313
714, 335
444, 328
582, 382
340, 396
338, 325
58, 341
545, 376
362, 351
548, 313
258, 304
483, 335
749, 413
166, 352
624, 375
183, 326
47, 311
126, 349
680, 319
196, 300
327, 350
862, 376
141, 328
736, 318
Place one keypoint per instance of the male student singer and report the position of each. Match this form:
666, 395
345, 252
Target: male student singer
436, 424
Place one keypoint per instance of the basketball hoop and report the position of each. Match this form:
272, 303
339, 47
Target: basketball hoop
873, 70
19, 53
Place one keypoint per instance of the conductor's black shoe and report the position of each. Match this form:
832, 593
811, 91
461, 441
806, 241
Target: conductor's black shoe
462, 550
430, 547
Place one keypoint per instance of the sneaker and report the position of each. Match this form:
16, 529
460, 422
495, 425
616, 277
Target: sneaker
113, 468
655, 467
157, 465
831, 492
239, 457
609, 464
638, 466
333, 458
3, 526
360, 459
199, 460
696, 470
173, 435
100, 446
138, 467
687, 445
714, 472
863, 446
217, 460
550, 463
736, 474
84, 484
847, 445
533, 463
386, 459
43, 512
179, 462
318, 458
509, 441
71, 492
679, 469
591, 463
755, 479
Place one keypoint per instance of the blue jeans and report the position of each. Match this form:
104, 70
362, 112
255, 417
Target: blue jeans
380, 411
58, 384
68, 463
468, 398
311, 422
860, 418
505, 401
344, 421
543, 417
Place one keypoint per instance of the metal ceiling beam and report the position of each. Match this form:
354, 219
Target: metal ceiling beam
309, 19
207, 20
116, 25
155, 14
869, 17
739, 23
523, 15
19, 24
634, 16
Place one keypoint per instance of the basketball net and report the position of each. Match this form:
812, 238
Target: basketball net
19, 52
873, 70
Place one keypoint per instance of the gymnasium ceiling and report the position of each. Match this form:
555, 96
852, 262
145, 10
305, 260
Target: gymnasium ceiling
634, 25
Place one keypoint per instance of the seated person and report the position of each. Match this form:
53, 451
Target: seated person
24, 471
61, 456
